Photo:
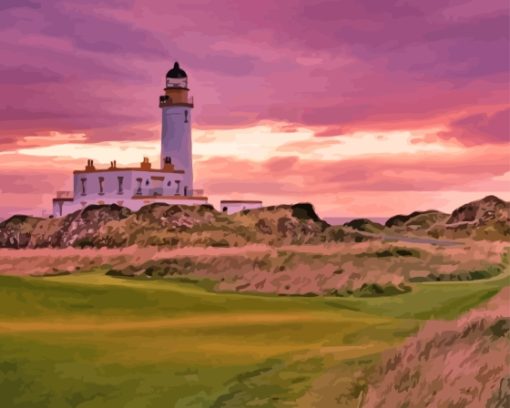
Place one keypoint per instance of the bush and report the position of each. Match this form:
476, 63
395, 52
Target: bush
222, 243
84, 243
392, 251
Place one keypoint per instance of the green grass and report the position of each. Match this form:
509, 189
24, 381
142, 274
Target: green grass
89, 340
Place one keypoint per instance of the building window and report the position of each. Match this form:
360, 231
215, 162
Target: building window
146, 182
121, 184
101, 181
185, 116
83, 186
225, 209
178, 189
185, 190
139, 189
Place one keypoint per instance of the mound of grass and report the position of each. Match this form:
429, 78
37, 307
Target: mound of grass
392, 251
366, 225
373, 289
461, 275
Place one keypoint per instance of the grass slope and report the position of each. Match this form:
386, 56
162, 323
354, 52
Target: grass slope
89, 340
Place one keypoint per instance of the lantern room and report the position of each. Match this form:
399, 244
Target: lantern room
176, 77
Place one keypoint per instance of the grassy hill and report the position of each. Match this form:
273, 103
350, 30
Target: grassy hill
365, 225
90, 340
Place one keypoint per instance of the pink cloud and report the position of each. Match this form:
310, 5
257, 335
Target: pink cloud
353, 66
330, 131
480, 128
404, 172
306, 145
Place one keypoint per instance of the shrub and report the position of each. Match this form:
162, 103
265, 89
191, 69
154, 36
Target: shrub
84, 243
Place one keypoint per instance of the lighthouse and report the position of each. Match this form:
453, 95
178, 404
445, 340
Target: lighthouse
176, 106
134, 187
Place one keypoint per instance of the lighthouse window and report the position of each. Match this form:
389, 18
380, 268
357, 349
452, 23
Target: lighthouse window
83, 186
121, 184
186, 116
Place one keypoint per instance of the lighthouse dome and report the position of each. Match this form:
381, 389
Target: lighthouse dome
176, 72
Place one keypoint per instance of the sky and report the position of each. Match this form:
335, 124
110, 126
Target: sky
363, 108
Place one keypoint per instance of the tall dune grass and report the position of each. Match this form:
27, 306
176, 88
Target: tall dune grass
461, 363
362, 269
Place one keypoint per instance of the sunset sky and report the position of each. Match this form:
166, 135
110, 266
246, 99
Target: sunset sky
364, 108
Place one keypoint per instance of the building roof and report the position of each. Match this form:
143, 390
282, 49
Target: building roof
176, 72
126, 169
240, 202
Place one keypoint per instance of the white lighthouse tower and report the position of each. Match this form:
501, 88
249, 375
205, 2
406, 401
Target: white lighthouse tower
176, 106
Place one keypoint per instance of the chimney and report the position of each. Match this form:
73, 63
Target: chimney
90, 165
145, 164
168, 166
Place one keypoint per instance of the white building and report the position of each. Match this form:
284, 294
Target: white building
134, 187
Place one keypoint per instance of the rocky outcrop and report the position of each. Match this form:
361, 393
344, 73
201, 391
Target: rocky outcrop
484, 211
161, 224
487, 219
170, 225
16, 231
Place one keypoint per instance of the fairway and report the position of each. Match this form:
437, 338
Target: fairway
89, 340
